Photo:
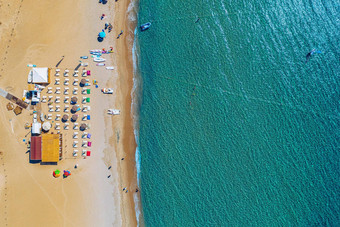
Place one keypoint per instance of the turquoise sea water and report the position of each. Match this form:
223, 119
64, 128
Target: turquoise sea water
235, 129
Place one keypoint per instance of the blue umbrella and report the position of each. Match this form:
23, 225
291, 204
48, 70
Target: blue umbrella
102, 34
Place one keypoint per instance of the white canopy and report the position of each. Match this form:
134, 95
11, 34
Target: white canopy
38, 75
36, 126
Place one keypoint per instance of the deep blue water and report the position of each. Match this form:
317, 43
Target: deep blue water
235, 128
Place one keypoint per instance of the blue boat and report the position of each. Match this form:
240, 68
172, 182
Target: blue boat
145, 26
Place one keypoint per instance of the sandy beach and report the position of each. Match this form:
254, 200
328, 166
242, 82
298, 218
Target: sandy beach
41, 33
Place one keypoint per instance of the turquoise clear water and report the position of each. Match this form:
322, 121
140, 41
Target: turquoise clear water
235, 129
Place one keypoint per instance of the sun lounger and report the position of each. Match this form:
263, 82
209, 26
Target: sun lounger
57, 70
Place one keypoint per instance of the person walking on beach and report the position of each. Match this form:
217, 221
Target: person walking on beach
106, 25
121, 33
102, 17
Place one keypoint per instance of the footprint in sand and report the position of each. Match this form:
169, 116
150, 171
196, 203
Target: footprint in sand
9, 88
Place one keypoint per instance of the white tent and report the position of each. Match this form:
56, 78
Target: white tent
38, 75
36, 127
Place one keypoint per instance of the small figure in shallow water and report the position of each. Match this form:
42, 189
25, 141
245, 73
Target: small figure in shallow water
197, 20
309, 55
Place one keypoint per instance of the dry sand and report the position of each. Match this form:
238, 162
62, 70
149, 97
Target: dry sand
40, 32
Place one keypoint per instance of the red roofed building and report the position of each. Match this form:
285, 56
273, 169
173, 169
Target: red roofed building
35, 153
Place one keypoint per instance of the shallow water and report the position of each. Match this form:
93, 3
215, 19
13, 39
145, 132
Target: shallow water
235, 127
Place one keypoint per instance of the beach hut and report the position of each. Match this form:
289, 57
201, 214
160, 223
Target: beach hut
74, 117
83, 127
74, 100
46, 126
65, 118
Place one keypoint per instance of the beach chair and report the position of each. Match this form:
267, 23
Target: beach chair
75, 74
84, 135
57, 74
65, 74
83, 100
57, 81
50, 98
84, 117
57, 109
75, 153
84, 143
75, 135
83, 153
84, 91
76, 71
75, 126
75, 144
66, 92
57, 118
57, 100
49, 117
66, 126
57, 70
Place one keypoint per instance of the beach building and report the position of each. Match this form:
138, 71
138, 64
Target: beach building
35, 152
51, 148
46, 148
36, 128
39, 76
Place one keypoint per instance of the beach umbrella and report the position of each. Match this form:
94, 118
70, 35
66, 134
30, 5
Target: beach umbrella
74, 100
65, 118
74, 109
83, 81
66, 173
74, 117
102, 34
46, 126
56, 173
82, 127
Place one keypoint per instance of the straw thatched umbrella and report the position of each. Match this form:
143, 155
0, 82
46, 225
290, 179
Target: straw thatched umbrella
74, 117
74, 109
17, 110
10, 106
82, 127
65, 118
83, 82
74, 100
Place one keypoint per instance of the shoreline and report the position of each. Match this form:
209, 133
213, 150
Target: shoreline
127, 148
